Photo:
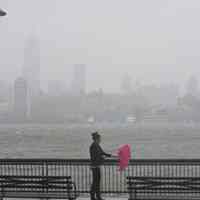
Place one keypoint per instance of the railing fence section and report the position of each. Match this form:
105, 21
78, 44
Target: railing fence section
114, 182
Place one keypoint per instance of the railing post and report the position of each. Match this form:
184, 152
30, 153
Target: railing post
44, 181
132, 190
135, 191
47, 179
2, 184
2, 191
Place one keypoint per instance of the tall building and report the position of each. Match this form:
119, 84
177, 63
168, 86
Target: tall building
31, 68
192, 86
56, 88
126, 85
20, 99
79, 79
5, 92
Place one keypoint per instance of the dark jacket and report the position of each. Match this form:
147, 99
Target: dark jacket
97, 154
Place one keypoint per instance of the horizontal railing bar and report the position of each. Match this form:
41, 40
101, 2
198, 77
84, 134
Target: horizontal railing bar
37, 186
131, 178
108, 161
35, 182
36, 177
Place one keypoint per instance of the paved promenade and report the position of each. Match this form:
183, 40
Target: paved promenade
81, 198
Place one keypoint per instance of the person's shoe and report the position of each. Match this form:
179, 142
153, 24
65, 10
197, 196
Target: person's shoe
92, 197
99, 198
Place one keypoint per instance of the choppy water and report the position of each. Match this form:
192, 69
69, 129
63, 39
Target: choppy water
56, 141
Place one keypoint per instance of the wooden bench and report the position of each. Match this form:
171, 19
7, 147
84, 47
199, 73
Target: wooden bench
42, 187
36, 178
163, 187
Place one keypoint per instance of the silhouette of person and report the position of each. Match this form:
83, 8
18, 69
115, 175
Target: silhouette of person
97, 156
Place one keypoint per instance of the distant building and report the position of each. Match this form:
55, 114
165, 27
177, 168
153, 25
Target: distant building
5, 92
56, 88
192, 87
31, 68
130, 119
156, 117
126, 86
160, 95
79, 79
5, 112
20, 99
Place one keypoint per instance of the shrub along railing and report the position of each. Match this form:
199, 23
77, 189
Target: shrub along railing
113, 182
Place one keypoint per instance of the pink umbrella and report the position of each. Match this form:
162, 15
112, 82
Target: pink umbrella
124, 154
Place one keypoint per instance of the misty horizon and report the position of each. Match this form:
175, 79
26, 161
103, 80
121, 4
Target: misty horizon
154, 42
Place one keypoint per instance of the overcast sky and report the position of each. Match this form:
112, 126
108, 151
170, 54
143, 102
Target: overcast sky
154, 41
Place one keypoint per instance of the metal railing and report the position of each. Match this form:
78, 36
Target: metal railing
113, 181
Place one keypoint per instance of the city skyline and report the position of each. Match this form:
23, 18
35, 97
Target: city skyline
154, 49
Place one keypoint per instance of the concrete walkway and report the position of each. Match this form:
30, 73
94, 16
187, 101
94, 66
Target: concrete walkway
80, 198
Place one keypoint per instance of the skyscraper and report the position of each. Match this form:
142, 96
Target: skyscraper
79, 79
31, 68
5, 92
56, 88
126, 85
20, 99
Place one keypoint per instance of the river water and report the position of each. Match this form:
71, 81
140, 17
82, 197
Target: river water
67, 141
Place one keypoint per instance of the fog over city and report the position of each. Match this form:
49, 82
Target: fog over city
153, 41
100, 97
128, 69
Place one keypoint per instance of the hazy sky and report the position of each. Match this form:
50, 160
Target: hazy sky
151, 40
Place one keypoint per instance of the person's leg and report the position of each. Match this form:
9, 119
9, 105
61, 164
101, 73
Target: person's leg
98, 193
94, 184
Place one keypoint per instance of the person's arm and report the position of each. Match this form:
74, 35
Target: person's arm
107, 154
114, 156
104, 153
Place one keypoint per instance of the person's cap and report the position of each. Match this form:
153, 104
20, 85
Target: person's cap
95, 135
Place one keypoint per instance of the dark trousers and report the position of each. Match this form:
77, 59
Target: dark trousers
96, 178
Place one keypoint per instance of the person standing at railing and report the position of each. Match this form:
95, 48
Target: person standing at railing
97, 156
